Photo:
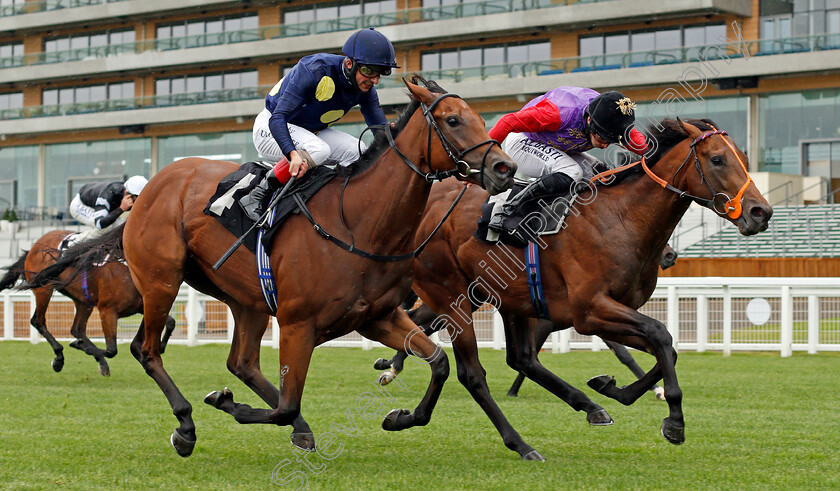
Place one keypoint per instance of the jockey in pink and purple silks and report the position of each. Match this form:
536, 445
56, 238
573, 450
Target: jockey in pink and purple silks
548, 139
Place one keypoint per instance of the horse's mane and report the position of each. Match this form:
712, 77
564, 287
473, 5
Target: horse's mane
667, 133
80, 257
380, 140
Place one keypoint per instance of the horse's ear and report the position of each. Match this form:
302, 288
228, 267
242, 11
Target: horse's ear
418, 93
691, 130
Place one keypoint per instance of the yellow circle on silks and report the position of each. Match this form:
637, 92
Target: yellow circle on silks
325, 89
331, 116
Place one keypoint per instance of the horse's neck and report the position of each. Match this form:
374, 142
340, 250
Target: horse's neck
392, 194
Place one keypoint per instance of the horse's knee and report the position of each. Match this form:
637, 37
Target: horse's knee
440, 367
285, 416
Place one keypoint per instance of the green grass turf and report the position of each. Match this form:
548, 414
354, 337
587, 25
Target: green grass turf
753, 421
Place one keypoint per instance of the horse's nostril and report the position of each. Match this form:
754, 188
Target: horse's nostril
502, 168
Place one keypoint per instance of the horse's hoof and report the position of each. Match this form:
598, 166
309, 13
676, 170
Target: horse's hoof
533, 455
304, 441
672, 432
57, 364
382, 364
599, 418
104, 370
183, 445
391, 421
75, 343
218, 397
512, 394
660, 393
600, 383
387, 377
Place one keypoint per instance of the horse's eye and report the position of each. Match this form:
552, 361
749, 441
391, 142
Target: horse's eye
452, 121
717, 161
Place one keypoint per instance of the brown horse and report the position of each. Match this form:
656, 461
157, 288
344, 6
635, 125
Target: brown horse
596, 273
109, 289
323, 292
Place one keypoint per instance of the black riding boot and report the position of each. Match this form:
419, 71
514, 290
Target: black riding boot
253, 203
553, 184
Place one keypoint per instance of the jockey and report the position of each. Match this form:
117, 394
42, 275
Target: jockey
549, 136
101, 205
316, 93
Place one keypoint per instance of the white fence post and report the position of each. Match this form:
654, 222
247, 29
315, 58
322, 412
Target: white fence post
34, 336
787, 322
555, 342
498, 331
813, 323
367, 344
702, 322
8, 317
673, 316
565, 341
191, 311
275, 333
230, 325
727, 321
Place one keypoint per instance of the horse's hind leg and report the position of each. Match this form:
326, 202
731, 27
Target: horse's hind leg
422, 316
109, 318
83, 343
398, 332
627, 359
541, 332
39, 322
522, 356
244, 362
167, 333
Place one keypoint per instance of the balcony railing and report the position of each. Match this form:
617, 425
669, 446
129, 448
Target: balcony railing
44, 5
471, 9
186, 99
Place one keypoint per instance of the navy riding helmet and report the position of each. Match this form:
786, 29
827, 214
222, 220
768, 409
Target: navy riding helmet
611, 114
370, 47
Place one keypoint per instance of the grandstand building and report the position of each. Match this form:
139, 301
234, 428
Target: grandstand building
102, 89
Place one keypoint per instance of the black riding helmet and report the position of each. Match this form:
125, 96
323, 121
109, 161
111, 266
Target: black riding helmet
610, 115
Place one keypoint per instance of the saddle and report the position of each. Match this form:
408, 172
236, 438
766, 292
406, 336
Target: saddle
224, 208
543, 215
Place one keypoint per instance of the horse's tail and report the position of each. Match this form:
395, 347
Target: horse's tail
14, 272
80, 257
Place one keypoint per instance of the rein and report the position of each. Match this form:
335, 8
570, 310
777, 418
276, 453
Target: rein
732, 207
453, 152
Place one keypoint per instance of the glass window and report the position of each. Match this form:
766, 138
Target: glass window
83, 94
98, 93
250, 22
494, 56
539, 51
471, 58
213, 82
179, 31
164, 32
179, 86
233, 24
517, 54
65, 96
49, 97
430, 61
619, 43
643, 41
694, 36
236, 146
668, 39
162, 87
353, 10
449, 60
98, 40
249, 79
214, 26
16, 164
195, 84
592, 46
64, 161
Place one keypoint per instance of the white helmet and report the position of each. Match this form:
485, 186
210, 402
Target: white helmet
135, 184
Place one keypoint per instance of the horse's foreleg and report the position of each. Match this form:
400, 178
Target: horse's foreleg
146, 348
541, 332
397, 331
616, 322
472, 376
627, 359
244, 362
522, 356
39, 322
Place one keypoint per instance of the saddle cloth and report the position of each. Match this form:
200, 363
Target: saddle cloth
543, 215
224, 204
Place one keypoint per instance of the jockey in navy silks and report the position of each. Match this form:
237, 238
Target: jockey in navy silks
316, 93
548, 139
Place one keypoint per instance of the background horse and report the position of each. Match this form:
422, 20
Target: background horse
424, 318
596, 273
108, 288
323, 292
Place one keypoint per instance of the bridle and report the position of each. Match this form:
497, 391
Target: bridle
732, 208
457, 157
462, 169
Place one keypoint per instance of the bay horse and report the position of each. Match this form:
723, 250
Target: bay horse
323, 291
596, 272
424, 318
108, 288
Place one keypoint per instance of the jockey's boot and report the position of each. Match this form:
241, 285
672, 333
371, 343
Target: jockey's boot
253, 203
552, 184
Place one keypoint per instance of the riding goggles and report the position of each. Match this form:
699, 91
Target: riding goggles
373, 71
